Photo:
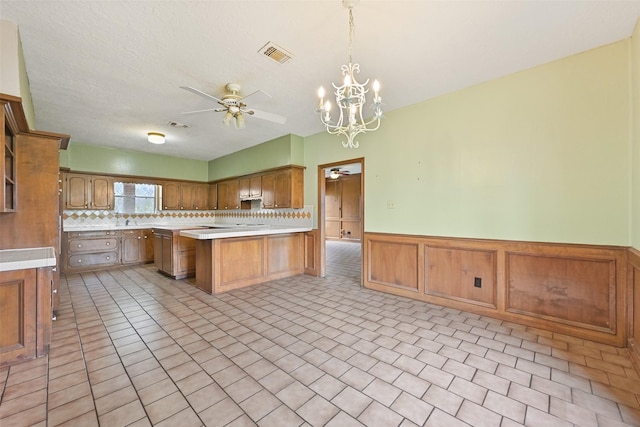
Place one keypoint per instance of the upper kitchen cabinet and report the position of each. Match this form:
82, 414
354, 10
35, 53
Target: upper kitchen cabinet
250, 187
184, 196
228, 194
283, 188
87, 191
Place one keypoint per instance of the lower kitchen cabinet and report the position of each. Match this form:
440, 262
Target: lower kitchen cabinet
94, 250
137, 246
174, 255
26, 314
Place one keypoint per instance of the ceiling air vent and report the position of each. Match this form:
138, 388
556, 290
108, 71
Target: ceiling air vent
275, 52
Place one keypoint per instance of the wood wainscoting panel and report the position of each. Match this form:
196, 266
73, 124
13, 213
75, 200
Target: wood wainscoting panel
568, 290
461, 274
240, 259
394, 263
634, 307
284, 254
312, 253
576, 290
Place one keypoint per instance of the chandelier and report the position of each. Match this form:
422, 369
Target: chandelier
350, 99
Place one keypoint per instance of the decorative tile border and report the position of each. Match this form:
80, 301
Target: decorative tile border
295, 217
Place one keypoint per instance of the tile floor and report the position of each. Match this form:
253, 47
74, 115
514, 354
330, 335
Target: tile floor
131, 347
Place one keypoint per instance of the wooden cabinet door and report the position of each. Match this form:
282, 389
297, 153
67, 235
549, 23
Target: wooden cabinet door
101, 192
282, 194
213, 196
76, 191
171, 195
332, 209
148, 249
228, 195
132, 246
157, 251
255, 186
268, 188
244, 185
200, 196
186, 196
167, 254
18, 315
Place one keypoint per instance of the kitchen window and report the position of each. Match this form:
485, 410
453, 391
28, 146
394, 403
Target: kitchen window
134, 198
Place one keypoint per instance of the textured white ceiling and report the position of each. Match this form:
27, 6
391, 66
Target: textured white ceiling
107, 72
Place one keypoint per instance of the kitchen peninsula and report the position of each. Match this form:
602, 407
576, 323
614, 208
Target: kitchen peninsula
234, 256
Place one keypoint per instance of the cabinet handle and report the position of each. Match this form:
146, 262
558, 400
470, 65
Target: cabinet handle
140, 237
108, 258
79, 245
55, 291
165, 207
108, 243
54, 269
146, 237
79, 261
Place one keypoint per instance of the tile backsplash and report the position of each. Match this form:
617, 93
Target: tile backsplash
289, 217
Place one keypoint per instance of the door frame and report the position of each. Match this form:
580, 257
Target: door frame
322, 249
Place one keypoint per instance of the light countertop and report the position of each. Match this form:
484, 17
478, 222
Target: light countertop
241, 231
23, 259
171, 226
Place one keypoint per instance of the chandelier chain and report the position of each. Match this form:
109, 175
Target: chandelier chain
351, 25
350, 98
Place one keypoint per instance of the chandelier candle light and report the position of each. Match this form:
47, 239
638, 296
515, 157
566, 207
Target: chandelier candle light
350, 98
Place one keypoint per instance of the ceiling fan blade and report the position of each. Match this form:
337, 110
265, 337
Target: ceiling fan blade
256, 97
269, 116
200, 93
217, 110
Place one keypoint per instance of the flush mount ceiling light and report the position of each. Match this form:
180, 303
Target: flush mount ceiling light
155, 137
350, 98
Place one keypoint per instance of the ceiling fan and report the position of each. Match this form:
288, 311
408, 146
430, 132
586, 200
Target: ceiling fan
234, 105
335, 173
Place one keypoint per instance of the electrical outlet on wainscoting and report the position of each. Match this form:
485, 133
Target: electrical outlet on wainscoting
477, 282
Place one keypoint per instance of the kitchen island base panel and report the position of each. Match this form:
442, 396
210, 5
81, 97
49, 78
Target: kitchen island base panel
232, 263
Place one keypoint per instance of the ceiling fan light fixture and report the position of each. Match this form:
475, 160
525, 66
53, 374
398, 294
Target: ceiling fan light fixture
227, 118
335, 174
155, 137
239, 120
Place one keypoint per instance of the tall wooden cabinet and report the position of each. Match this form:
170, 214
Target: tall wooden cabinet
33, 222
343, 210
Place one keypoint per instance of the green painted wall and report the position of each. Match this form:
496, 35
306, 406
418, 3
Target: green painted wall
91, 158
283, 151
25, 89
635, 152
540, 155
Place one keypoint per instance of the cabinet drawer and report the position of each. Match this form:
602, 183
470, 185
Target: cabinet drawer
84, 234
92, 245
129, 233
89, 260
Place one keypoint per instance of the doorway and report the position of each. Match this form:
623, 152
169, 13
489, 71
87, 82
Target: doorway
341, 213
